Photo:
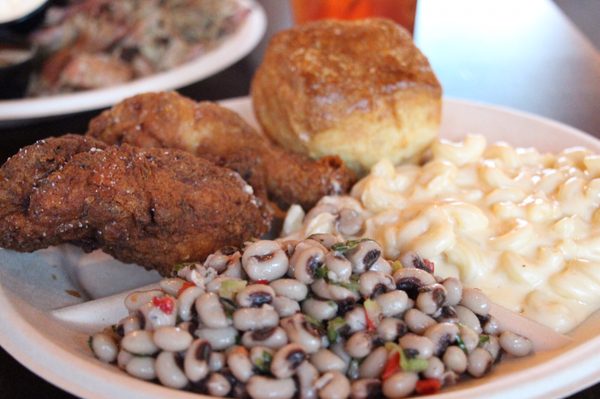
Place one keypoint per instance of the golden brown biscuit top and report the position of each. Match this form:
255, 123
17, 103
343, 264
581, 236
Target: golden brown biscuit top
365, 57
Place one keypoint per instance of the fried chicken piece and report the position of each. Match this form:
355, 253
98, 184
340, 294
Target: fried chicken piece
153, 207
213, 132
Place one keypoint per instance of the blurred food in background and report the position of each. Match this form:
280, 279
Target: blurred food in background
401, 11
90, 44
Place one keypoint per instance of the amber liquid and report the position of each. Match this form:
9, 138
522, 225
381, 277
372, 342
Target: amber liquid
401, 11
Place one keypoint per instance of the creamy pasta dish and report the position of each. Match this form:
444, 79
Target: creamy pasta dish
521, 225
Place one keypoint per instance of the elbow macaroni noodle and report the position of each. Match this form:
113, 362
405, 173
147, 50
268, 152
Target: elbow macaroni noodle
522, 226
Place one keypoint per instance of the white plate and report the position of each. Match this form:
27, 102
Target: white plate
32, 285
233, 48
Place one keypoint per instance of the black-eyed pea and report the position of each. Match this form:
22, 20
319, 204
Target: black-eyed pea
417, 346
169, 372
431, 298
129, 324
491, 343
307, 375
218, 385
468, 318
238, 361
265, 260
515, 344
333, 385
104, 347
469, 337
410, 279
356, 319
359, 345
211, 311
350, 222
139, 343
286, 360
400, 385
290, 288
418, 321
492, 326
372, 366
455, 359
318, 309
285, 306
273, 338
475, 300
195, 363
366, 388
142, 367
381, 265
245, 319
325, 360
364, 255
454, 290
219, 338
339, 268
390, 329
435, 368
172, 339
393, 303
372, 283
300, 331
216, 361
255, 295
442, 335
306, 260
261, 387
479, 362
186, 302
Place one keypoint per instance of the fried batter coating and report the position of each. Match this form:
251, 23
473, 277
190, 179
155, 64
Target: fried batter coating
208, 130
153, 207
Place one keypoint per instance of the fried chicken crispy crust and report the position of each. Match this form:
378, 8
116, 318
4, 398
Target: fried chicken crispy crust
169, 120
153, 207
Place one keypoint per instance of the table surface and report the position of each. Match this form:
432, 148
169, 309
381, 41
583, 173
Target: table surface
522, 54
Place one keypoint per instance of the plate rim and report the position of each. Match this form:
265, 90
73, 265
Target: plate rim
231, 50
533, 383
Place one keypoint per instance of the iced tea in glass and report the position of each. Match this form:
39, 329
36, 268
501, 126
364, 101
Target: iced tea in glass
401, 11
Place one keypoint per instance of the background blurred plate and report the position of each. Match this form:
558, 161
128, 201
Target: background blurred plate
33, 285
233, 48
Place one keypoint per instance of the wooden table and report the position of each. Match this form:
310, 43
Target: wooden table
522, 54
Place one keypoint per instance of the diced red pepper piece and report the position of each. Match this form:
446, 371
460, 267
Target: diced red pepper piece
428, 386
371, 327
165, 303
265, 282
392, 366
184, 287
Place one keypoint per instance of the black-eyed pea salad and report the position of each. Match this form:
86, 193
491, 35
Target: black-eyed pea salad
316, 318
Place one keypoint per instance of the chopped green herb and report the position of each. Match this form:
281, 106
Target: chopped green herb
264, 362
461, 344
333, 328
89, 342
351, 285
483, 339
321, 272
412, 364
347, 246
313, 321
229, 288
